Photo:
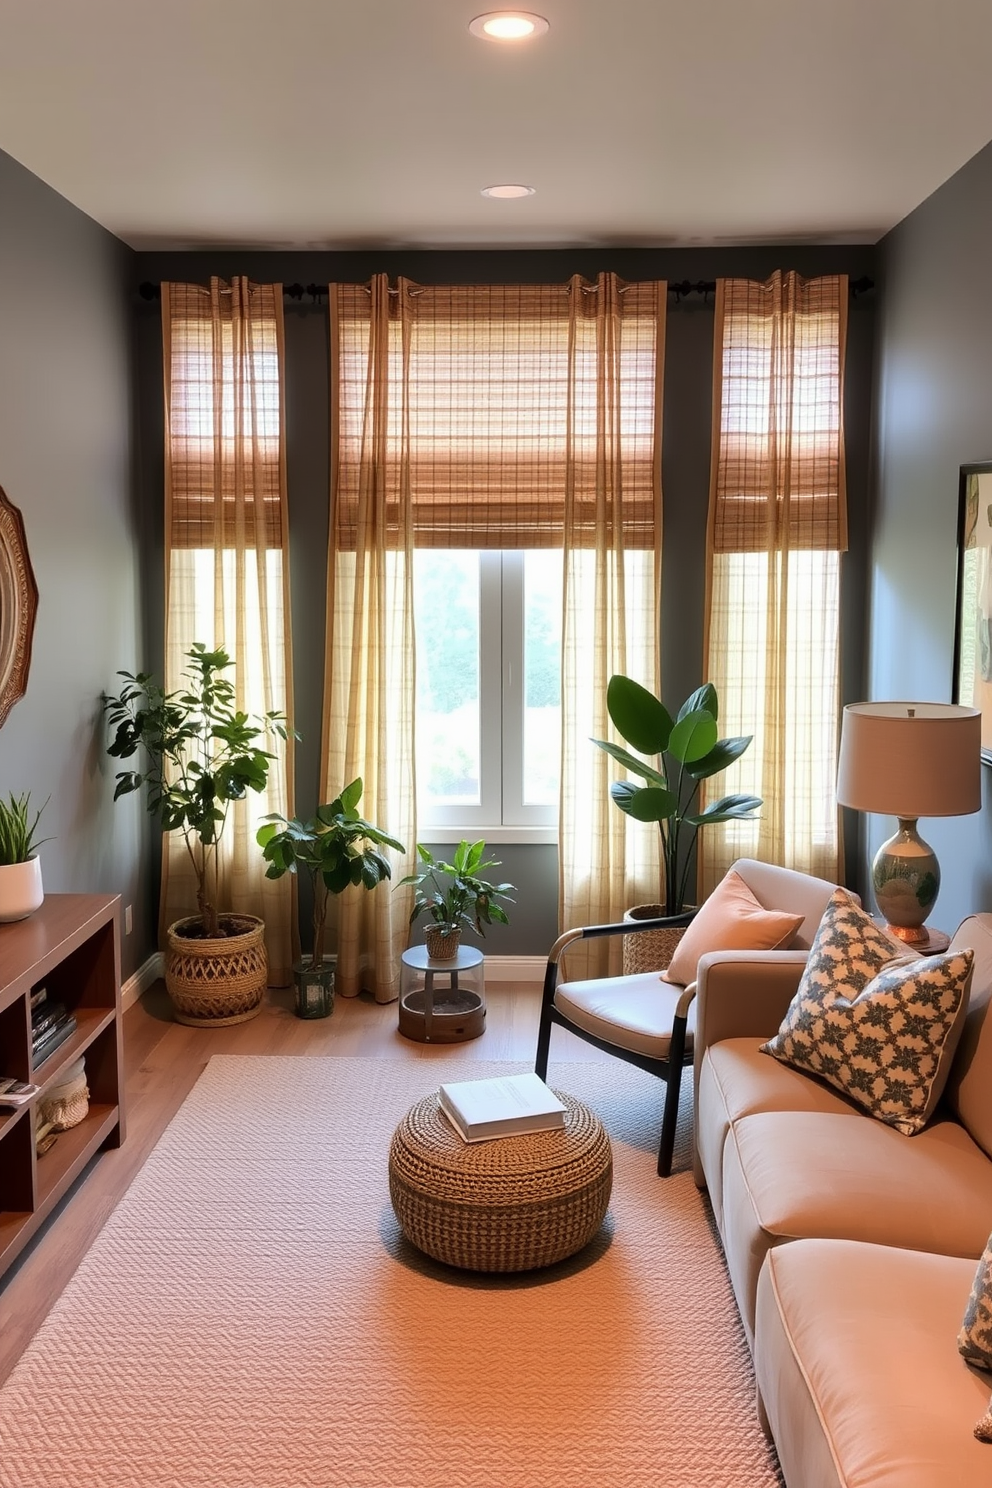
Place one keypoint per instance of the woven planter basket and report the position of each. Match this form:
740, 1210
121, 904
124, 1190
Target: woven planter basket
214, 983
654, 949
507, 1205
442, 947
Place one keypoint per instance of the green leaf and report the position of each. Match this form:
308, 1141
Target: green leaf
703, 697
693, 736
723, 753
631, 762
352, 794
646, 803
728, 808
638, 716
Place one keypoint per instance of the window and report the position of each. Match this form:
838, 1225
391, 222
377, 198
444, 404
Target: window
488, 626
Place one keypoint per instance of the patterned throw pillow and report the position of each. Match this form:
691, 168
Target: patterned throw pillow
975, 1337
880, 1027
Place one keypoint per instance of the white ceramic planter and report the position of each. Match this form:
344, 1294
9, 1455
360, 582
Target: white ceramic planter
21, 890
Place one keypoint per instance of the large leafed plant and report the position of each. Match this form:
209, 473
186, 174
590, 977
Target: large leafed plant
684, 752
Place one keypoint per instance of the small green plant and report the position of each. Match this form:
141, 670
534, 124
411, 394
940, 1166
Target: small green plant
336, 848
454, 895
17, 831
688, 750
203, 753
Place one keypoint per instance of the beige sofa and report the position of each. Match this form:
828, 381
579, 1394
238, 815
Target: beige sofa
851, 1248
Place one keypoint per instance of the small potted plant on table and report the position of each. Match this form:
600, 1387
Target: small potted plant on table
337, 849
454, 896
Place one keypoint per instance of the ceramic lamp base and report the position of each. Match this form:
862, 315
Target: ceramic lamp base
905, 877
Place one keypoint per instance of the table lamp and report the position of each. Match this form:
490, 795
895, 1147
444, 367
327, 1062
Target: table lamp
909, 760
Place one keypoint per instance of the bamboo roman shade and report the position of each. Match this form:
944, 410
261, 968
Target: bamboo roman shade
779, 471
493, 406
224, 351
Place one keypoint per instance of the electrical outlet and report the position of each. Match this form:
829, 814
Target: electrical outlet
127, 919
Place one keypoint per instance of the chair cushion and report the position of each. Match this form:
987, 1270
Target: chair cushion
790, 1175
970, 1079
633, 1012
731, 919
857, 1368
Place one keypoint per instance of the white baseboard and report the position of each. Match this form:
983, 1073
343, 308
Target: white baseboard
149, 971
521, 971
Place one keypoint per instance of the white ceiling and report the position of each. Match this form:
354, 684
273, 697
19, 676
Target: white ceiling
375, 123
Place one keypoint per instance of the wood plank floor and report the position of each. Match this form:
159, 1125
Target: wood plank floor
163, 1060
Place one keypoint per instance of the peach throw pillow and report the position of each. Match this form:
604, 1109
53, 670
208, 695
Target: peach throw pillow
731, 919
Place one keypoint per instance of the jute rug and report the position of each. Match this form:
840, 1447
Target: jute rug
251, 1315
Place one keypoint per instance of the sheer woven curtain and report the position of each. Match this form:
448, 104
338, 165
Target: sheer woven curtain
777, 527
491, 417
226, 544
612, 535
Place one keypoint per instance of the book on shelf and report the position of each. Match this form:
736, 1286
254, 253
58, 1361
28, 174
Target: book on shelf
47, 1016
38, 996
16, 1092
506, 1106
52, 1039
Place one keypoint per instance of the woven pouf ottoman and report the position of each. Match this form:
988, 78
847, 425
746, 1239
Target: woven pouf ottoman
511, 1204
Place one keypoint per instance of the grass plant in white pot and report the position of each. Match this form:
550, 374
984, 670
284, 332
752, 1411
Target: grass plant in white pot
21, 888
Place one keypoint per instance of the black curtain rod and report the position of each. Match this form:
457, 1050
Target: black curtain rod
704, 287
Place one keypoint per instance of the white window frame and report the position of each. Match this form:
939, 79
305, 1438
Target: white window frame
501, 815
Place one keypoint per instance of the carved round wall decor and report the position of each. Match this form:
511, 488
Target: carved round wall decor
18, 605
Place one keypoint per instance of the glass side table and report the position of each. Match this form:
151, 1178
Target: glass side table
442, 1002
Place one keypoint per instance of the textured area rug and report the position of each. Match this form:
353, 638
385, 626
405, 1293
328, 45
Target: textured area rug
252, 1315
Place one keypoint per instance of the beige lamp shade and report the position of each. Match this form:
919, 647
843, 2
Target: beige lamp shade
910, 759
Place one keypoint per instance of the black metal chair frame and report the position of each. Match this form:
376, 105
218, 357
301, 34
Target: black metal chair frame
669, 1070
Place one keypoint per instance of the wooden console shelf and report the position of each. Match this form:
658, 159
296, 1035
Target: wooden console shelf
71, 947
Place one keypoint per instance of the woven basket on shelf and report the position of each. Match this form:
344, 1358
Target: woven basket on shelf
216, 982
652, 950
508, 1205
65, 1105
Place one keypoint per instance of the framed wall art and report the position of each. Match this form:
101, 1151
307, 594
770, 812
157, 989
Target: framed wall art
973, 629
18, 603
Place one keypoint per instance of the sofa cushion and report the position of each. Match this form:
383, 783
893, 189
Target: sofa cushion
731, 919
735, 1080
889, 1047
868, 1389
975, 1337
814, 1174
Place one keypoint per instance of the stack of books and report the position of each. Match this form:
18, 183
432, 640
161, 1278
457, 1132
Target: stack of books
51, 1025
507, 1106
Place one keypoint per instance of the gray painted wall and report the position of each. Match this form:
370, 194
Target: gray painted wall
934, 407
66, 462
686, 454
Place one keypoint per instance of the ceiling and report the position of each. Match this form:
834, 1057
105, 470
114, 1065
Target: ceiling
375, 123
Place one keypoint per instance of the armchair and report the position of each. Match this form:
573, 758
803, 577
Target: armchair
648, 1022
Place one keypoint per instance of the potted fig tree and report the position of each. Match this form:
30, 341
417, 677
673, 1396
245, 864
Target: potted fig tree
453, 896
684, 751
202, 754
336, 848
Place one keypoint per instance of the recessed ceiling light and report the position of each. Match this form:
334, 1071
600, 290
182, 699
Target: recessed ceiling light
508, 25
507, 191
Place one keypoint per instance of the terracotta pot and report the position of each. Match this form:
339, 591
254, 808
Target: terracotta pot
218, 981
